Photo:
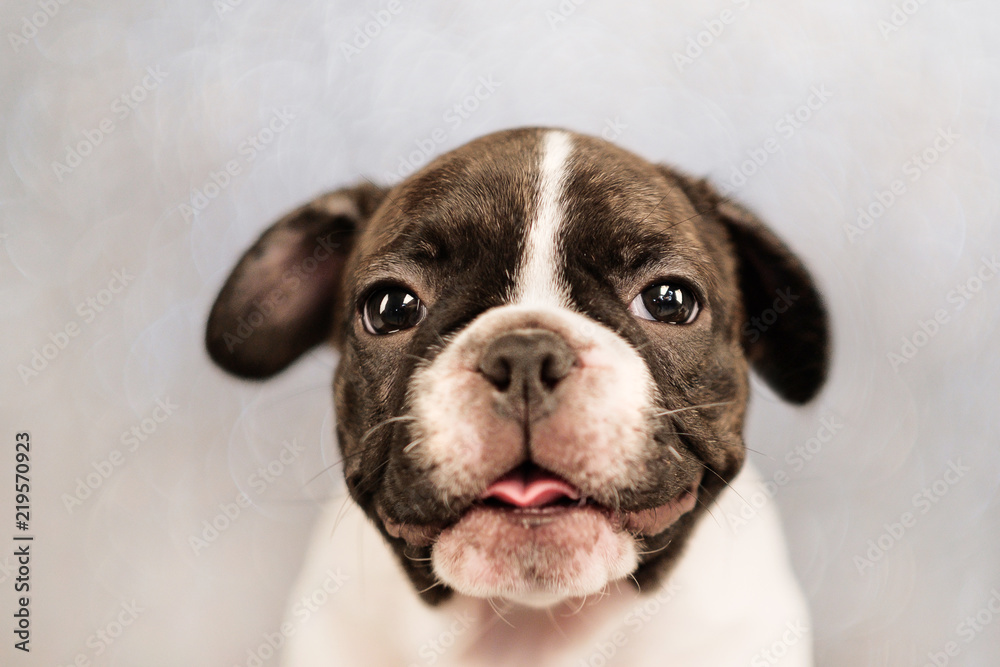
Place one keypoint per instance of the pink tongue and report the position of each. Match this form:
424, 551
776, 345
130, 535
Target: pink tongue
533, 489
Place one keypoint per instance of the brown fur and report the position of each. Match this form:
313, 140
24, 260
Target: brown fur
453, 232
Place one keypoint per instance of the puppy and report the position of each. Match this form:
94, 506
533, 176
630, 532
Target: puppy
544, 348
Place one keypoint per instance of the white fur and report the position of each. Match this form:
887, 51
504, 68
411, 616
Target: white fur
453, 424
732, 596
538, 281
464, 445
461, 441
736, 587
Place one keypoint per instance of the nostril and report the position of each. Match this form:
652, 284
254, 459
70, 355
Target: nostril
498, 371
526, 364
554, 369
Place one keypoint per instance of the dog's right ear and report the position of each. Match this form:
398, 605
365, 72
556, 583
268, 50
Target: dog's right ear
279, 301
791, 353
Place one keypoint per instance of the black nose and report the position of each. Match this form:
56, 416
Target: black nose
526, 366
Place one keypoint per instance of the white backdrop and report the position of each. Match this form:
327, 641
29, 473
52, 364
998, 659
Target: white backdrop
147, 144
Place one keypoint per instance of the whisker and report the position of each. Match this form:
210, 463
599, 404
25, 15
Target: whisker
412, 445
499, 613
690, 407
656, 551
341, 515
432, 586
333, 465
444, 343
569, 611
324, 470
726, 483
555, 623
390, 420
709, 510
604, 592
618, 501
370, 475
363, 449
768, 456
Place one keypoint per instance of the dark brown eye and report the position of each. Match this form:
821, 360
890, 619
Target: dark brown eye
390, 309
666, 302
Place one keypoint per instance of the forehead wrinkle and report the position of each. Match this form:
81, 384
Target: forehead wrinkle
661, 248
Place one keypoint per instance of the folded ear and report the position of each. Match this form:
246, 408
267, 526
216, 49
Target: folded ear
785, 333
279, 300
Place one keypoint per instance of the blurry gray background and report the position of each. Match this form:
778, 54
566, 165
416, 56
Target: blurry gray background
147, 144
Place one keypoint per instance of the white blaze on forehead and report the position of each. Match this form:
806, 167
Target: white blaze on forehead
538, 280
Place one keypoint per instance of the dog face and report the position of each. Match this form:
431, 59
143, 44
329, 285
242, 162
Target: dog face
543, 355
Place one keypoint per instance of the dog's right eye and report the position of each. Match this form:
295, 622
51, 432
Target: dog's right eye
390, 309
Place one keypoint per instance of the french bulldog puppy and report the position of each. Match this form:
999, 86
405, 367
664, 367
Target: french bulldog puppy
544, 343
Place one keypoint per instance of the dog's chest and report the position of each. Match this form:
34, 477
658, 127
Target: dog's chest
732, 600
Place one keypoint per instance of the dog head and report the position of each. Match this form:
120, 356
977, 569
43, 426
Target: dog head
544, 345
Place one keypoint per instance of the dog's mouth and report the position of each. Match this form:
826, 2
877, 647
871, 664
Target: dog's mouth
531, 496
530, 490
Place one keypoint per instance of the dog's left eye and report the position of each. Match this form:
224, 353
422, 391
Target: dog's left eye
665, 302
390, 309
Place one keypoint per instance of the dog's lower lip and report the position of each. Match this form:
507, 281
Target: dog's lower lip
655, 520
651, 521
418, 535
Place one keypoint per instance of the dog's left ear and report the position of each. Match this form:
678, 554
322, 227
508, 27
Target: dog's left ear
279, 301
786, 333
